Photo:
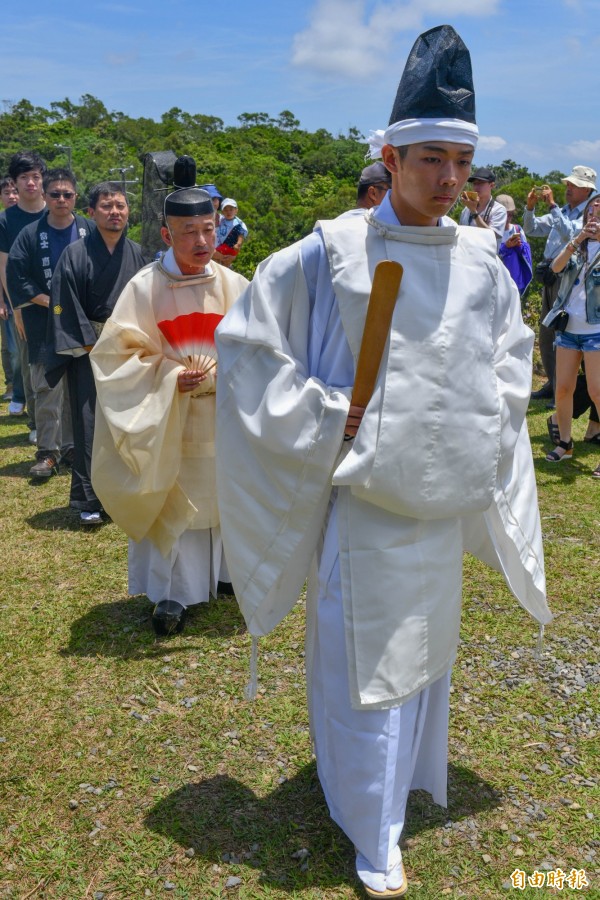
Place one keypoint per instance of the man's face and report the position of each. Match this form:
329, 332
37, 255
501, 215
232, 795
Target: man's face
484, 189
9, 196
193, 241
427, 182
60, 199
111, 213
575, 195
229, 212
29, 185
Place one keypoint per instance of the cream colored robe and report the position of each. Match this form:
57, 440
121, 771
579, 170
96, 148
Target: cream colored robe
442, 461
153, 463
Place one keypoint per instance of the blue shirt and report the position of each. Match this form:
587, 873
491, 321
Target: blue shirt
58, 239
560, 226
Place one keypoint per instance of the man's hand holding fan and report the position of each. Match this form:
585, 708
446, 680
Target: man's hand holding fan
192, 336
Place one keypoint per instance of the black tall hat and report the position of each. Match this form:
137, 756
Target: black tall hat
437, 82
435, 98
184, 172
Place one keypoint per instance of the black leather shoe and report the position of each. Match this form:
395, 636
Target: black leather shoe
168, 617
546, 392
225, 588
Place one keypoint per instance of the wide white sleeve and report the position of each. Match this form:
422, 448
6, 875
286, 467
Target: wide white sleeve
279, 433
508, 536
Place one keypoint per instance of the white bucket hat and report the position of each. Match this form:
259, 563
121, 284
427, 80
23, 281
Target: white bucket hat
581, 176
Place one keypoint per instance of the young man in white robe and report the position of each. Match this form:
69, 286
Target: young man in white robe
439, 461
154, 454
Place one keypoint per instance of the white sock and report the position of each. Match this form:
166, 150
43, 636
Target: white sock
393, 878
379, 881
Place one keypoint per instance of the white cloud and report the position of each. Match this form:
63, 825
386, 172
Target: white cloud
490, 143
339, 42
584, 149
348, 39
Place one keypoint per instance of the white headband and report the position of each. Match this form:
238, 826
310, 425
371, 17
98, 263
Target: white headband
417, 131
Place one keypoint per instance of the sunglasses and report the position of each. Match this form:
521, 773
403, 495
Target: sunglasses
56, 195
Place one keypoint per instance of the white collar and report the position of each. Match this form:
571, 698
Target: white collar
170, 264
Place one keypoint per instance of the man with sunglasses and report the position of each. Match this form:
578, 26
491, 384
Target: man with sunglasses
31, 262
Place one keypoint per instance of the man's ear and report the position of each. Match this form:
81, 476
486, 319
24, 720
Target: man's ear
166, 236
373, 195
389, 158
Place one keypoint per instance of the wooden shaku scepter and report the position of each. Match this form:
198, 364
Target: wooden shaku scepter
384, 292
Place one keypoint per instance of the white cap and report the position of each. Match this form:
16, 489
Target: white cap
228, 201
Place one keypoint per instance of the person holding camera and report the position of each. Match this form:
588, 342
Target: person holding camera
559, 225
481, 210
575, 318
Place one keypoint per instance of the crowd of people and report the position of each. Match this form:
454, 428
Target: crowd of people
335, 444
569, 330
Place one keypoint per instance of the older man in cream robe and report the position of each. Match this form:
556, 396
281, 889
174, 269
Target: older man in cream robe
154, 455
440, 462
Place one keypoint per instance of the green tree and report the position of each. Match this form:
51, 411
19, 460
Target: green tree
509, 171
248, 120
553, 177
287, 121
283, 177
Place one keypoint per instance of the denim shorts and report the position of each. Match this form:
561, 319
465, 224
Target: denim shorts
585, 343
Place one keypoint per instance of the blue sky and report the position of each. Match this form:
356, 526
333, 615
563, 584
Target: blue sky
334, 63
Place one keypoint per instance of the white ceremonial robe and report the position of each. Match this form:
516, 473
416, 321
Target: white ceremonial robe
189, 573
282, 411
368, 759
287, 354
153, 463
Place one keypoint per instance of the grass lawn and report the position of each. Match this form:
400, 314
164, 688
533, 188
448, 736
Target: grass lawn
132, 768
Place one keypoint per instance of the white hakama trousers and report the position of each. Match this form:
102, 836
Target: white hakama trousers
368, 760
189, 574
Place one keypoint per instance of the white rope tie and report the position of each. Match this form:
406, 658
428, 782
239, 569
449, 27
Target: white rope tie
252, 686
540, 643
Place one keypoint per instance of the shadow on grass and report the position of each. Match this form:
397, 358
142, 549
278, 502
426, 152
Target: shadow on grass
563, 472
123, 629
567, 473
226, 823
17, 469
61, 518
18, 439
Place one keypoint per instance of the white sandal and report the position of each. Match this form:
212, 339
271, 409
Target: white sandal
393, 882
